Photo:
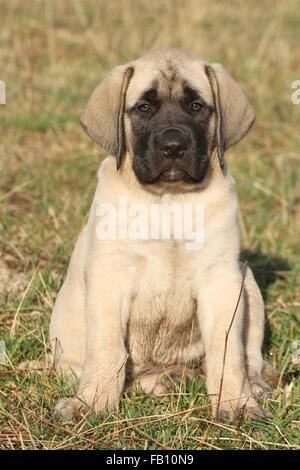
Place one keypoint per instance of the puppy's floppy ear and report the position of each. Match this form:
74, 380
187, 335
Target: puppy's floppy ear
103, 116
234, 114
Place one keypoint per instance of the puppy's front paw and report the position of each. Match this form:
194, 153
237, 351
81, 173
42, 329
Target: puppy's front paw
253, 412
104, 398
249, 410
96, 397
68, 408
103, 394
224, 414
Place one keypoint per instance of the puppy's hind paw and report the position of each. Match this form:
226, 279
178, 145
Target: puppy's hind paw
66, 409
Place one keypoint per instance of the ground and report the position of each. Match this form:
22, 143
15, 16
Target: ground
52, 55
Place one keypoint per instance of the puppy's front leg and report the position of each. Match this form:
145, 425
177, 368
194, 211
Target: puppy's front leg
103, 376
227, 383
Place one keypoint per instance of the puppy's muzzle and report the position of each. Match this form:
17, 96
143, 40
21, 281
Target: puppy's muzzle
172, 143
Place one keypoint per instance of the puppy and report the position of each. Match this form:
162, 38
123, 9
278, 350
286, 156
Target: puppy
136, 307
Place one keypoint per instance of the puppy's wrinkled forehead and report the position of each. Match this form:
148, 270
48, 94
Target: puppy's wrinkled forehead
170, 78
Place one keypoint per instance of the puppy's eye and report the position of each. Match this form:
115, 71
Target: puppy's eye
144, 107
196, 106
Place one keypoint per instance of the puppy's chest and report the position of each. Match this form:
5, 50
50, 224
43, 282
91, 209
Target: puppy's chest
163, 320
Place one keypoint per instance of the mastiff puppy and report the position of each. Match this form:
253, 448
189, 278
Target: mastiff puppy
135, 306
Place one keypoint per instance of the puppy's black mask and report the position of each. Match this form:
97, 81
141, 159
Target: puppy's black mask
170, 140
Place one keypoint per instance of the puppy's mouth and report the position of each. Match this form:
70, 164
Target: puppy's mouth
188, 172
174, 174
180, 171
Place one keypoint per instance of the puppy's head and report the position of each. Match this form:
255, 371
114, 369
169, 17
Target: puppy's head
171, 112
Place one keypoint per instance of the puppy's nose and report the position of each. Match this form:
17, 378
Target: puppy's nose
172, 143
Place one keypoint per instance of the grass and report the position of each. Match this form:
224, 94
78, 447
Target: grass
52, 55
